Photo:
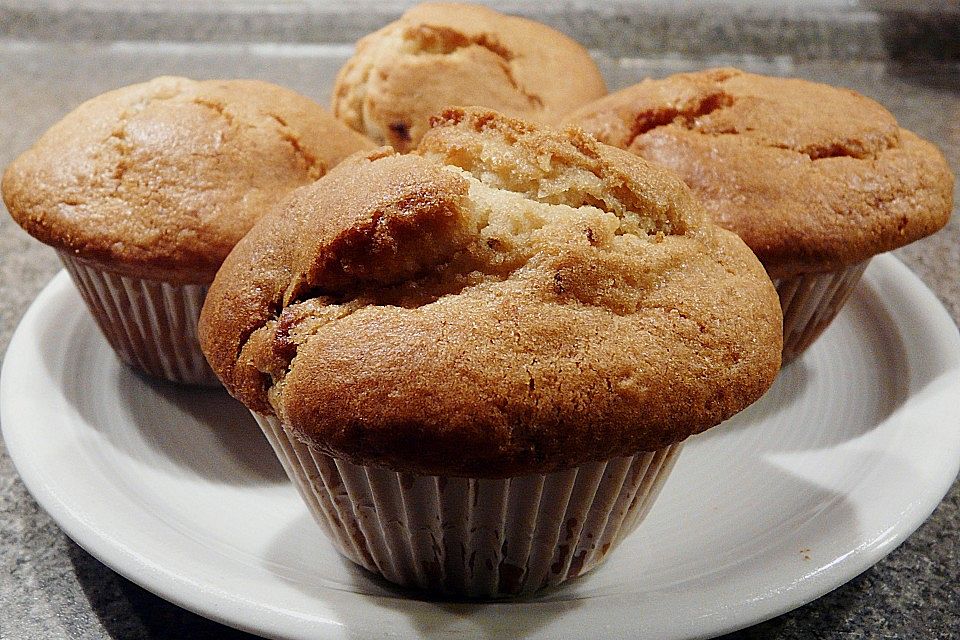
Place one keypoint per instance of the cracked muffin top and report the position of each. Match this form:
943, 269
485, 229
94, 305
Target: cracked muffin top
505, 300
812, 177
159, 180
438, 55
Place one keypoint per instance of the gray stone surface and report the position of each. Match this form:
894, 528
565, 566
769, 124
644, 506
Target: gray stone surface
801, 29
870, 29
50, 588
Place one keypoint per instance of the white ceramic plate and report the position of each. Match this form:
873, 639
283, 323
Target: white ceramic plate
178, 491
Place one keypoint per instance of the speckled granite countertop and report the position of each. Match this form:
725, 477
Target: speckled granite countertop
50, 588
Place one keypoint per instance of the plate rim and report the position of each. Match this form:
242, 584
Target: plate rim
241, 613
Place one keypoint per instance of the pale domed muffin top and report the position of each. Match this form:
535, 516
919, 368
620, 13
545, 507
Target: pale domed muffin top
160, 179
438, 55
506, 300
812, 177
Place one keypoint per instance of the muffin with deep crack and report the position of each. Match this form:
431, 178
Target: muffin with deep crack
478, 361
437, 55
815, 179
144, 190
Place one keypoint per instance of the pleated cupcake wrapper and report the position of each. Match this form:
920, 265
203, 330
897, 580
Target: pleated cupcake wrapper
151, 325
479, 538
810, 302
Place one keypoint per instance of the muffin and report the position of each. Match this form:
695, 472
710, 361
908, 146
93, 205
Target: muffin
437, 55
478, 362
815, 179
144, 190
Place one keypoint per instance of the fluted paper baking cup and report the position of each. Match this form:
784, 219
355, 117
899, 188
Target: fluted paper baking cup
810, 302
473, 537
151, 325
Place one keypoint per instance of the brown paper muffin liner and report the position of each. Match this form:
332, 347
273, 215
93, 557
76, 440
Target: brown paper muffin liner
810, 302
473, 537
151, 325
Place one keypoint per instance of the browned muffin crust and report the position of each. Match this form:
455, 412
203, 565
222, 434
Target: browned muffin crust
444, 54
508, 300
812, 177
159, 180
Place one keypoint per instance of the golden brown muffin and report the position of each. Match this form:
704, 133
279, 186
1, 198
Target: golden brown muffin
438, 55
812, 177
507, 300
159, 180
